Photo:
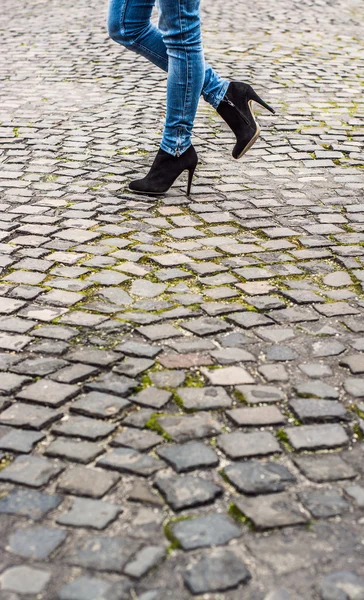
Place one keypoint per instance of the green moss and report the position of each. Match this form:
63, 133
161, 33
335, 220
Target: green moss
174, 543
5, 462
239, 396
283, 438
357, 411
194, 379
154, 425
238, 516
358, 432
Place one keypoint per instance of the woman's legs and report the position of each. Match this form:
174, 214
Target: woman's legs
180, 27
129, 25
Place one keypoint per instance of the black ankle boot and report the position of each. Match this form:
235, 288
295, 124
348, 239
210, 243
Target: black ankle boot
164, 172
236, 109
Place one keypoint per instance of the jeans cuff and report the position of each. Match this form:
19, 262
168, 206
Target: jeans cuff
215, 99
176, 149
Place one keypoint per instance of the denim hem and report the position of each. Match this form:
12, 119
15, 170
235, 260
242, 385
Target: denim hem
173, 152
216, 98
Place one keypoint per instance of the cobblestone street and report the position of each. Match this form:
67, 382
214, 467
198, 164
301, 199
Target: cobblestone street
181, 380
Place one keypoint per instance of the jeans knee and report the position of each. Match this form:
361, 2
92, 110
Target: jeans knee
117, 33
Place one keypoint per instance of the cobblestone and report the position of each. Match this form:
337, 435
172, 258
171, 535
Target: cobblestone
209, 347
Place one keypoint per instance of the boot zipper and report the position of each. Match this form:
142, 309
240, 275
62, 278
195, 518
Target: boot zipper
226, 99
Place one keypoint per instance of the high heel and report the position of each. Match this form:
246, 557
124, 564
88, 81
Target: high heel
164, 172
191, 172
236, 108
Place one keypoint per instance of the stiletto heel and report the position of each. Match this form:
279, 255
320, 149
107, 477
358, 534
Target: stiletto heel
254, 96
164, 172
236, 108
191, 172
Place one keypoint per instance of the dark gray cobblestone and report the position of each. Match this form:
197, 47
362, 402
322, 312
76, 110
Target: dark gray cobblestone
180, 374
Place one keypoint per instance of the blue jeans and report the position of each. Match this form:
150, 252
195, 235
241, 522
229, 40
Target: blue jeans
176, 47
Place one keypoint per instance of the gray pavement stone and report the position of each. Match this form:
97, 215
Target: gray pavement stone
326, 467
188, 456
253, 477
243, 445
37, 543
83, 481
82, 452
28, 503
102, 553
32, 471
128, 460
340, 585
216, 571
183, 429
187, 491
100, 406
204, 531
324, 503
24, 580
273, 510
49, 393
91, 588
208, 398
316, 437
83, 427
90, 513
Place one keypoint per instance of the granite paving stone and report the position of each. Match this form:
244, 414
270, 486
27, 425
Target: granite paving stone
20, 441
28, 416
49, 393
75, 451
355, 493
228, 376
185, 428
340, 585
324, 503
316, 437
128, 460
187, 491
218, 570
99, 405
256, 416
91, 588
254, 477
138, 440
102, 553
207, 398
255, 394
243, 445
36, 543
28, 503
24, 580
83, 427
325, 467
312, 409
84, 481
188, 456
32, 471
90, 513
272, 510
207, 530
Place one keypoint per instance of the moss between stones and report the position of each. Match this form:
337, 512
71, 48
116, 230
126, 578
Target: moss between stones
283, 438
238, 516
194, 379
175, 544
4, 463
154, 425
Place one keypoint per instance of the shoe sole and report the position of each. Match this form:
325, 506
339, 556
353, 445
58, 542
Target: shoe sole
255, 136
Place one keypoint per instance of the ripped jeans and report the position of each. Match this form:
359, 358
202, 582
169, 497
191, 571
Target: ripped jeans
176, 47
